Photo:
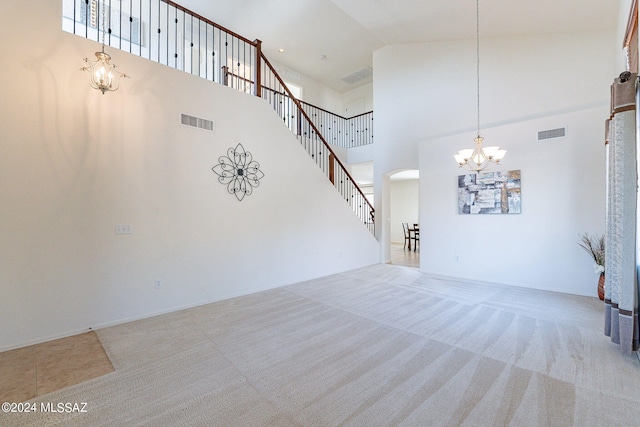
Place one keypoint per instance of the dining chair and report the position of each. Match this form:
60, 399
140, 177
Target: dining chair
407, 236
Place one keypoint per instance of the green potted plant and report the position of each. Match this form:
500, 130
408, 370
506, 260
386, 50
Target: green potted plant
594, 246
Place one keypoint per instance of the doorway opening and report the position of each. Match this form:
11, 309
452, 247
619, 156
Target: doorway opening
404, 218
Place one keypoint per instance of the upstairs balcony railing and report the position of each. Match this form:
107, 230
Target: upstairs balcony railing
336, 130
343, 132
164, 32
167, 33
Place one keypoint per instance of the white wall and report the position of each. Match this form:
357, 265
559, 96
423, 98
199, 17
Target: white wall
405, 197
313, 92
563, 185
520, 78
527, 84
361, 92
74, 163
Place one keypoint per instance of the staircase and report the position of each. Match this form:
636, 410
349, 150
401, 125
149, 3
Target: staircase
165, 32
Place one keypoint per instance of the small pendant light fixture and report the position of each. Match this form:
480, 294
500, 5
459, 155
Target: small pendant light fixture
478, 158
103, 73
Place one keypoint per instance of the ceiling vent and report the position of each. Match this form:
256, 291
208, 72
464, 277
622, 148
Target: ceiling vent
358, 75
197, 122
289, 75
552, 133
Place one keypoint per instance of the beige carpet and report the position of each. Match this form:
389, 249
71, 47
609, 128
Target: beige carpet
381, 346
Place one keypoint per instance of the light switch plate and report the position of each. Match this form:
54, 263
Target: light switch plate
124, 229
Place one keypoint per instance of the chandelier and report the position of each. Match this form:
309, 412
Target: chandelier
103, 73
478, 158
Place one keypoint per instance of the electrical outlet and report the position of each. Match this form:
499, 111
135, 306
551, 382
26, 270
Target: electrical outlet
124, 229
158, 283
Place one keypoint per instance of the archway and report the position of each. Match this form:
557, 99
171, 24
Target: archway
404, 208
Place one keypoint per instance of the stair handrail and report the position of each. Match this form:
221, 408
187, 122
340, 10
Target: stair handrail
341, 131
315, 129
210, 22
334, 114
76, 20
229, 73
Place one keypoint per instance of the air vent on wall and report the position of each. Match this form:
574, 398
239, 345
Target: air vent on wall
358, 75
552, 133
197, 122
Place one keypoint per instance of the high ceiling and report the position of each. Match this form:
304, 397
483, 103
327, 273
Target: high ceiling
329, 39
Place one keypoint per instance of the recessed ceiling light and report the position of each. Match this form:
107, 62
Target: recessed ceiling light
281, 50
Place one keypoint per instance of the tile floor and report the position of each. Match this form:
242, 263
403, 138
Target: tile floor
404, 257
35, 370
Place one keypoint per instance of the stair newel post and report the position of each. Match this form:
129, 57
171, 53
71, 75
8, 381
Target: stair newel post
258, 91
332, 168
225, 75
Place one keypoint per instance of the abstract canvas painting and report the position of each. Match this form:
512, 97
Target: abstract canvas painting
489, 193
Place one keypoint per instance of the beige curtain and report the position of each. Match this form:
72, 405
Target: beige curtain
621, 283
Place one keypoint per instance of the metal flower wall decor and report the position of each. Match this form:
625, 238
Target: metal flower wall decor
238, 171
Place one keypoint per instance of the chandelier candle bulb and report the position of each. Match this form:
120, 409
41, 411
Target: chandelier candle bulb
105, 78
